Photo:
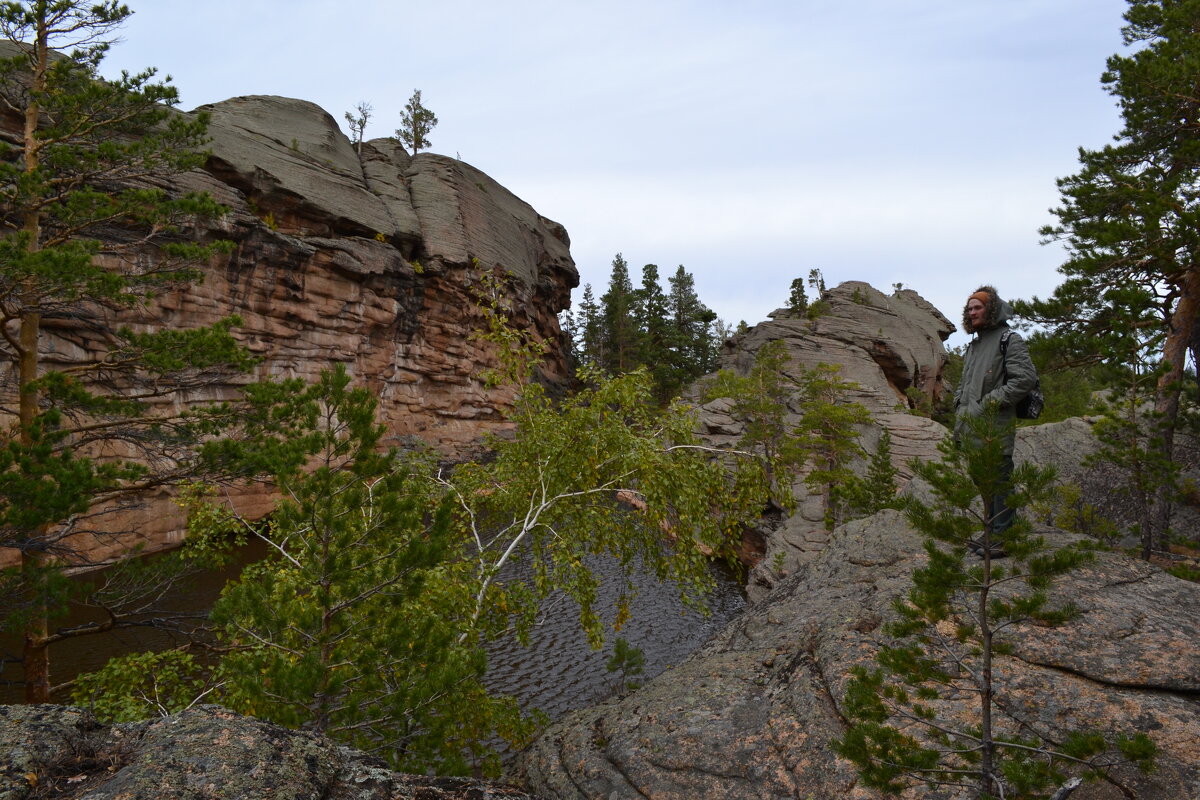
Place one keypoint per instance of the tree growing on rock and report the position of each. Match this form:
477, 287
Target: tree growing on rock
389, 574
1129, 220
823, 440
760, 401
352, 625
358, 123
876, 490
90, 420
416, 123
828, 432
798, 298
933, 711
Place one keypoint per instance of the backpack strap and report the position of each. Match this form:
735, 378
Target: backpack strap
1004, 337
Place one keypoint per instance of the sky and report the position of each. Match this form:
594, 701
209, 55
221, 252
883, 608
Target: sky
888, 141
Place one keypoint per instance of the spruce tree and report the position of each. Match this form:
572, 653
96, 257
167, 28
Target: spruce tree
654, 335
590, 328
691, 322
86, 233
620, 327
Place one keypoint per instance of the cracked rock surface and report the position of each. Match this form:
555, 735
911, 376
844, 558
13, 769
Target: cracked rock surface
751, 715
205, 753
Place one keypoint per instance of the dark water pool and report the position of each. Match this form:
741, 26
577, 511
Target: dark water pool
557, 672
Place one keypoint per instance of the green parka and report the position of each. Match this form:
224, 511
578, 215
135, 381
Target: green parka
983, 378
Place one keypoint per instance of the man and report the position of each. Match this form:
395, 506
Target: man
996, 376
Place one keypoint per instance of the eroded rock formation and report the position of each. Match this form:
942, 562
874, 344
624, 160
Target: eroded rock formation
368, 260
364, 260
890, 346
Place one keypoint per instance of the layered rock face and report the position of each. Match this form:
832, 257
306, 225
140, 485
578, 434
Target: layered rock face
205, 753
752, 714
361, 258
368, 260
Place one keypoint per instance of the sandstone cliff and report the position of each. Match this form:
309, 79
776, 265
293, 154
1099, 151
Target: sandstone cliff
364, 260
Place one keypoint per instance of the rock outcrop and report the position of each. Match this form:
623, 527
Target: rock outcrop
752, 714
205, 753
364, 259
890, 347
1067, 445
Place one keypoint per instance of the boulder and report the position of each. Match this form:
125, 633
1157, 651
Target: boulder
752, 714
204, 753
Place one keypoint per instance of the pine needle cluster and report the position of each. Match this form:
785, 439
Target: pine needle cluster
930, 711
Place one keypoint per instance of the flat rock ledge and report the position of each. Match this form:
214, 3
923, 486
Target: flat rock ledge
205, 753
751, 714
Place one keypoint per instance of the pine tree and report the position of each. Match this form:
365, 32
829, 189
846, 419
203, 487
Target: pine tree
823, 440
816, 281
654, 335
570, 334
1130, 433
416, 123
798, 298
358, 123
350, 628
86, 233
828, 433
931, 713
590, 327
877, 490
1131, 224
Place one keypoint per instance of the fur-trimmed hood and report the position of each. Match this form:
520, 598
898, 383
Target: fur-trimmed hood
996, 311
